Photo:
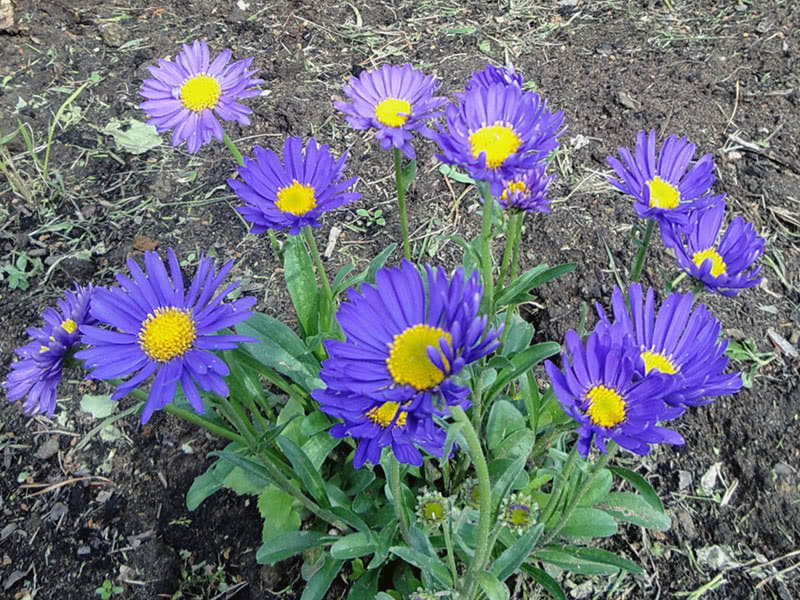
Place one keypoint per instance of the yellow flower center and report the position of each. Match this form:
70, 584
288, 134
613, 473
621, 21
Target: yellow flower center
43, 349
393, 112
69, 326
659, 362
200, 92
167, 333
663, 194
606, 407
513, 187
408, 360
498, 141
297, 199
384, 414
718, 266
433, 511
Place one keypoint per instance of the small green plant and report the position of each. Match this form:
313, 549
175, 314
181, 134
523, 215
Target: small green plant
202, 580
18, 272
108, 589
368, 219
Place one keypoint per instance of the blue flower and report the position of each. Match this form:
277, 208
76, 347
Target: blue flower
679, 342
296, 193
38, 374
492, 74
161, 329
527, 193
393, 373
725, 267
664, 190
598, 387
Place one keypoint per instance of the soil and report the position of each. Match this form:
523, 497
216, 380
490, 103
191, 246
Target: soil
725, 74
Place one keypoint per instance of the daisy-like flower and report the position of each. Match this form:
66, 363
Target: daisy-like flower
498, 132
725, 267
518, 512
393, 373
665, 190
38, 374
600, 389
676, 341
492, 74
295, 193
396, 101
527, 193
432, 508
161, 329
188, 95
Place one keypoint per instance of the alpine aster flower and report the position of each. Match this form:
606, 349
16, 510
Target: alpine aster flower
527, 193
38, 374
492, 74
676, 341
725, 267
395, 100
495, 133
664, 190
393, 373
296, 193
518, 512
161, 329
599, 388
188, 95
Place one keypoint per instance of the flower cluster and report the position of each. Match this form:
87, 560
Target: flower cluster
642, 368
679, 198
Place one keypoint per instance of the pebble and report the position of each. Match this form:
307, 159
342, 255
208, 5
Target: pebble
113, 34
49, 449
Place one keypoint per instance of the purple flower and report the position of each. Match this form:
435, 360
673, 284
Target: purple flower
404, 340
496, 133
492, 74
161, 329
679, 342
598, 387
527, 193
188, 95
725, 267
296, 193
396, 101
38, 374
664, 190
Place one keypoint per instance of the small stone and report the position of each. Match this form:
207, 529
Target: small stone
113, 34
84, 550
627, 100
48, 449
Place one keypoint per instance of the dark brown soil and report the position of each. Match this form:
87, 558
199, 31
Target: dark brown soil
725, 74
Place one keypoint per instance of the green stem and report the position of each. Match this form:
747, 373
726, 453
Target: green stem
448, 542
193, 417
480, 557
558, 488
516, 231
325, 326
638, 262
397, 499
508, 250
587, 483
486, 251
233, 149
402, 187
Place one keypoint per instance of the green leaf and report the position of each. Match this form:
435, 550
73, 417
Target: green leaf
519, 443
407, 174
378, 262
99, 407
587, 561
512, 469
319, 583
275, 507
522, 362
304, 468
354, 545
454, 174
319, 446
548, 583
288, 544
301, 283
208, 483
336, 284
133, 136
588, 523
422, 561
520, 334
365, 586
633, 508
279, 348
512, 557
255, 471
599, 488
495, 590
519, 290
385, 539
504, 419
641, 485
241, 483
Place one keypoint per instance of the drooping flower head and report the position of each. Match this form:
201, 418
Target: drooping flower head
395, 100
191, 93
38, 374
678, 342
161, 329
600, 389
498, 132
492, 74
725, 266
528, 192
667, 189
393, 373
295, 193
